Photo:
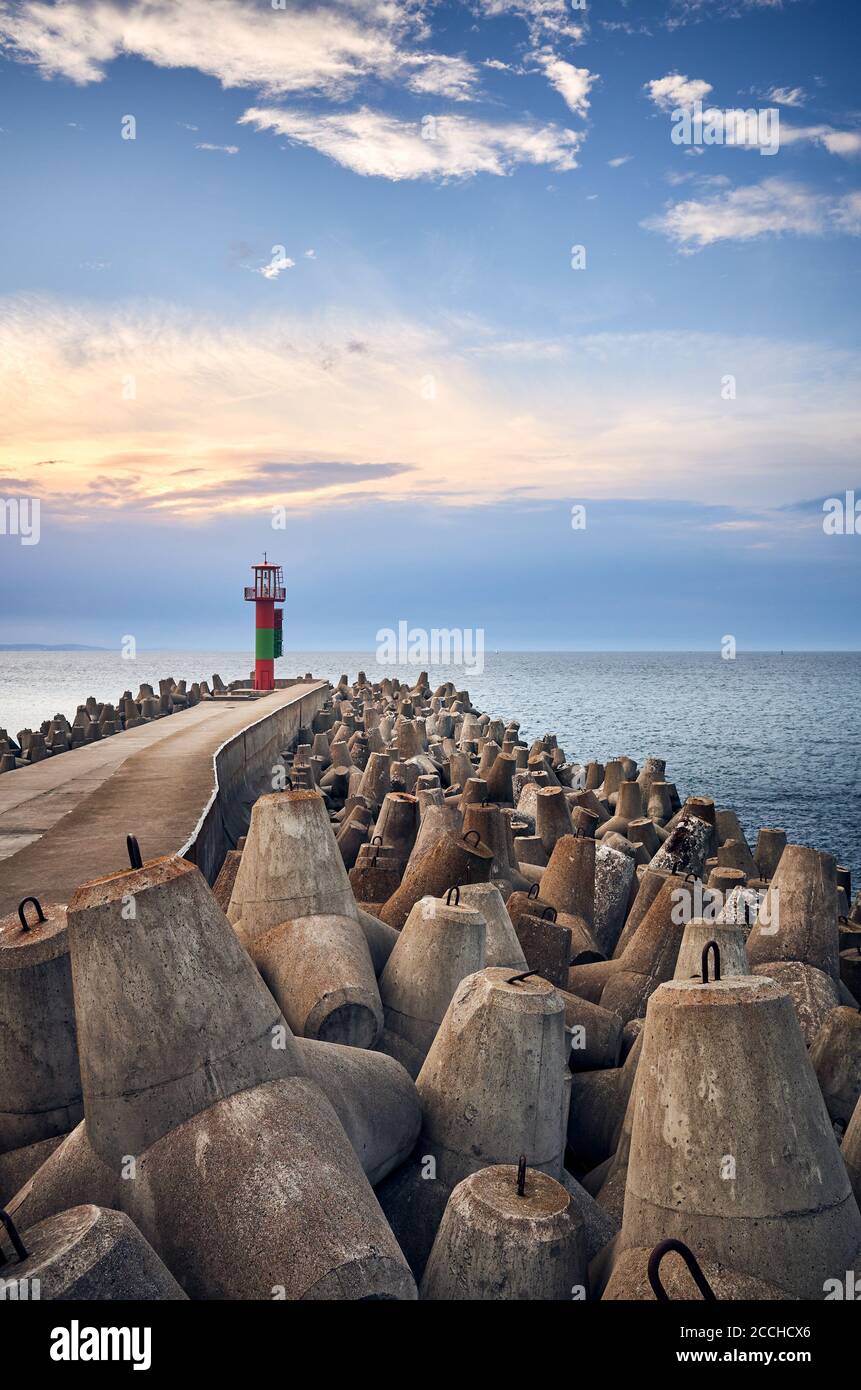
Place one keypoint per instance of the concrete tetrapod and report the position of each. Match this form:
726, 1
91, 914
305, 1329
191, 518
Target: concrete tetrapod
494, 1086
770, 844
501, 944
552, 816
498, 1243
697, 935
798, 920
650, 885
625, 984
450, 862
630, 1281
171, 1013
685, 849
813, 993
291, 865
441, 943
836, 1057
262, 1195
732, 1150
320, 972
614, 875
90, 1253
40, 1082
373, 1096
568, 884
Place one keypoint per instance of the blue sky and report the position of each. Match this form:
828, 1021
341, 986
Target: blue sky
332, 276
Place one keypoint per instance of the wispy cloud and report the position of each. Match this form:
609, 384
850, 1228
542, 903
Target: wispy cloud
225, 416
443, 147
219, 149
771, 208
788, 96
573, 84
545, 19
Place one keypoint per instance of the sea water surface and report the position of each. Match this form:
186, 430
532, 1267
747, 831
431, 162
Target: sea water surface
774, 736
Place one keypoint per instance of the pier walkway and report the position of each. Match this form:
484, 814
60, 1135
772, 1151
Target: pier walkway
65, 820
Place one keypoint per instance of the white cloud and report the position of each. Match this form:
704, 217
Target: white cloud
841, 142
619, 160
374, 143
220, 149
773, 207
310, 254
788, 96
327, 48
690, 11
677, 91
453, 78
571, 83
543, 18
273, 268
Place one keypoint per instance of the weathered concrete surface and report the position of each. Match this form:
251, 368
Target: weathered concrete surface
494, 1086
291, 866
263, 1193
320, 972
64, 820
171, 1013
630, 1281
40, 1082
91, 1253
494, 1244
373, 1096
836, 1058
732, 1149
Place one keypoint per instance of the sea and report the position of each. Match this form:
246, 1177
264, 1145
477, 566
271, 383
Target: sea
776, 736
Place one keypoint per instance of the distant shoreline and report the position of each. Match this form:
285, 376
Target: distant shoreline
44, 647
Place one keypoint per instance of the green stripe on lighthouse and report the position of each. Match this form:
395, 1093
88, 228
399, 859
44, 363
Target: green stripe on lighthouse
264, 643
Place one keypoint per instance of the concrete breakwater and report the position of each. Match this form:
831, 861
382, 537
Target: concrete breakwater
459, 1019
94, 719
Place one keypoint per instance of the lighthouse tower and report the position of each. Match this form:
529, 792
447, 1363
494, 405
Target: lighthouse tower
264, 593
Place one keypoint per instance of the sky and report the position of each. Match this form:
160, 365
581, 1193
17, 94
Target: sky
492, 315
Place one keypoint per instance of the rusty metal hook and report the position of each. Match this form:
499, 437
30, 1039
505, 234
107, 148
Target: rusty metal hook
376, 839
710, 946
521, 1176
134, 851
456, 892
22, 918
515, 979
477, 838
533, 891
20, 1247
690, 1259
548, 914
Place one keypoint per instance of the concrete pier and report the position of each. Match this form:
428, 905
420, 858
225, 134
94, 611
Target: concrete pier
64, 821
